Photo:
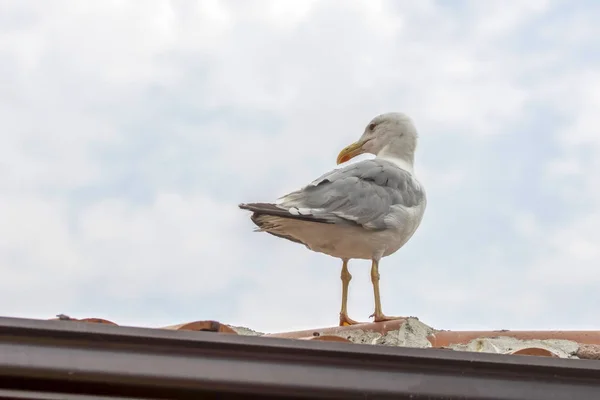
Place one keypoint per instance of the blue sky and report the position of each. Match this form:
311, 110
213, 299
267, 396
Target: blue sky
131, 130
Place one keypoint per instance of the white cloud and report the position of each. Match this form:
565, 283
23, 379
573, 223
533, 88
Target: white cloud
130, 133
178, 244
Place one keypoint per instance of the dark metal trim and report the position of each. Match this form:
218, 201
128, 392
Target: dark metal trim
95, 359
35, 395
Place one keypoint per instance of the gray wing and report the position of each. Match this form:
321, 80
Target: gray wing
363, 193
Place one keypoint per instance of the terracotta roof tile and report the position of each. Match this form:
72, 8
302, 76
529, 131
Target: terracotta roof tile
209, 326
411, 332
446, 338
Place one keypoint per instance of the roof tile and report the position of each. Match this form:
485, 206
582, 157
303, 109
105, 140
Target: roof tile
411, 332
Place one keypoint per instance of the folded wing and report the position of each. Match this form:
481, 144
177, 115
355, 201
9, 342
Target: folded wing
366, 193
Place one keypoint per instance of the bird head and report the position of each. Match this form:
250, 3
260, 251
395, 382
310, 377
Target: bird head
392, 133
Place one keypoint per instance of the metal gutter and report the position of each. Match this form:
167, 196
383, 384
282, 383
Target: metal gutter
33, 395
78, 358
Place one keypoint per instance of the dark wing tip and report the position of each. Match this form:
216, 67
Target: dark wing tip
248, 206
260, 207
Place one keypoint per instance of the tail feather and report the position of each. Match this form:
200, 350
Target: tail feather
259, 209
264, 216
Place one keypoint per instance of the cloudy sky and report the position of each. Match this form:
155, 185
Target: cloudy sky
130, 131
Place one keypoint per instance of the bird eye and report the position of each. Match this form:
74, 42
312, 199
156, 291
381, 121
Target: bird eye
372, 126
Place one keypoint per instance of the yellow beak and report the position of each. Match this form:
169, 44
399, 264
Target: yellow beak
350, 152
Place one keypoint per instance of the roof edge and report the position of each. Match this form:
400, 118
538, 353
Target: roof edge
148, 362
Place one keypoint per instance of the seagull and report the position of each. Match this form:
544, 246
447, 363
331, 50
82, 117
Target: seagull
365, 210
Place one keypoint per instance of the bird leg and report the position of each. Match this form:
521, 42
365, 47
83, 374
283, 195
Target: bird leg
378, 314
346, 277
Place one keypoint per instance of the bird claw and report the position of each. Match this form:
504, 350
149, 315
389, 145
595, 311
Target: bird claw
384, 318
